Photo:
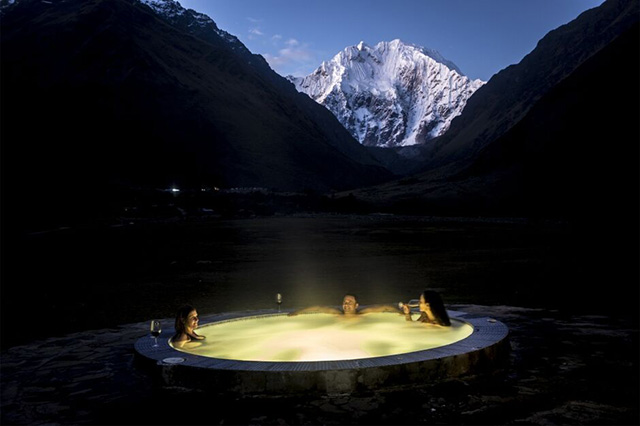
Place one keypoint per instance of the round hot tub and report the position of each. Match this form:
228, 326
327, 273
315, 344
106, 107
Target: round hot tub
321, 337
273, 353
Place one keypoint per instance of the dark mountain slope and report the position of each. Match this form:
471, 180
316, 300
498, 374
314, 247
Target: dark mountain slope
508, 96
576, 151
573, 148
574, 155
103, 91
190, 22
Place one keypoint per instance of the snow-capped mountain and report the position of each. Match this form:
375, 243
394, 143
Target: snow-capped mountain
392, 94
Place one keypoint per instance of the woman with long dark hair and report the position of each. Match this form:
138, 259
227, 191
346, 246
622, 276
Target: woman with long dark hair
432, 309
185, 325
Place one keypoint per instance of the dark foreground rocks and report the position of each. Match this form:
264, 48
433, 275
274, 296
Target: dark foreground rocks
577, 369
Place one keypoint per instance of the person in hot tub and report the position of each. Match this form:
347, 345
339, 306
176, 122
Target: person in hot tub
432, 309
186, 323
349, 307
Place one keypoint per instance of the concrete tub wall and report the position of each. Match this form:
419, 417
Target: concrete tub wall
335, 381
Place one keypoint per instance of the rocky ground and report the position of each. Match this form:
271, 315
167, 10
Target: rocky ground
564, 370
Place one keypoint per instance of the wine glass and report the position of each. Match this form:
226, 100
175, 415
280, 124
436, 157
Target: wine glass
279, 300
155, 331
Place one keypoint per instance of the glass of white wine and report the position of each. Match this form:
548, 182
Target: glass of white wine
155, 331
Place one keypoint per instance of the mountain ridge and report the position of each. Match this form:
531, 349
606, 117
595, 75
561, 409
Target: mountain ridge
207, 29
517, 87
392, 94
170, 69
542, 154
123, 98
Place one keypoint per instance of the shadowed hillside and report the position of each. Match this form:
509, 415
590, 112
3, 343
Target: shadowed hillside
569, 151
101, 93
498, 106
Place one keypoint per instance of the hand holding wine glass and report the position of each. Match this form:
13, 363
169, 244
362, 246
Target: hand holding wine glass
155, 331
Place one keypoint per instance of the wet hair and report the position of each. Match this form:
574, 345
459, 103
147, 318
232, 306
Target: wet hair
181, 318
437, 307
352, 295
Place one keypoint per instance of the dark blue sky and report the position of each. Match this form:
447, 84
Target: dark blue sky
480, 36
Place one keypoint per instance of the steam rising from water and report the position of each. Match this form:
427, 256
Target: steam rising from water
322, 337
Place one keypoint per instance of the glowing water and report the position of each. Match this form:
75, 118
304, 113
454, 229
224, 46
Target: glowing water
321, 337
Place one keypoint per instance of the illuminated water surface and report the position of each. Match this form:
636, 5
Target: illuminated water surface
321, 337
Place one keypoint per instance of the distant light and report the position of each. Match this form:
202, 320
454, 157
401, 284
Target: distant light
175, 190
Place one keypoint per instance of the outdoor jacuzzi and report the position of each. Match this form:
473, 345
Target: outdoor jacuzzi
266, 352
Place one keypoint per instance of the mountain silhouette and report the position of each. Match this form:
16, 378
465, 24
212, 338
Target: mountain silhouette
553, 136
101, 94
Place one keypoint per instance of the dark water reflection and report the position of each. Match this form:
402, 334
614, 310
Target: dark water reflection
100, 278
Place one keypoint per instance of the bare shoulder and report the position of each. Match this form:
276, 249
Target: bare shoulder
179, 341
380, 308
316, 310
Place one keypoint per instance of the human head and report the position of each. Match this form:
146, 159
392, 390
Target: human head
430, 301
349, 304
186, 319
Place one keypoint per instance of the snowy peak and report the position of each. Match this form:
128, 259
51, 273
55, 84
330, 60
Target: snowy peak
391, 94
